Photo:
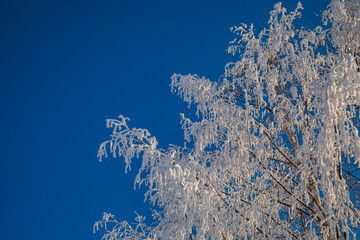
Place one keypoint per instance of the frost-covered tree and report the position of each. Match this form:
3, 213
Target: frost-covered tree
273, 147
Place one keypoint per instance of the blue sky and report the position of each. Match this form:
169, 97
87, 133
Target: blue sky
66, 66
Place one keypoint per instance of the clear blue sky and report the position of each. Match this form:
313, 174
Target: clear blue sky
66, 66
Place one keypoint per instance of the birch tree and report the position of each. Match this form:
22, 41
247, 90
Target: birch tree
274, 145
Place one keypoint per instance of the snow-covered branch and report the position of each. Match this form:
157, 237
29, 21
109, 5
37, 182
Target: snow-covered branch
275, 142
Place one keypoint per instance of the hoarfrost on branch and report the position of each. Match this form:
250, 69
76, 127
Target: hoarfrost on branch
273, 146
